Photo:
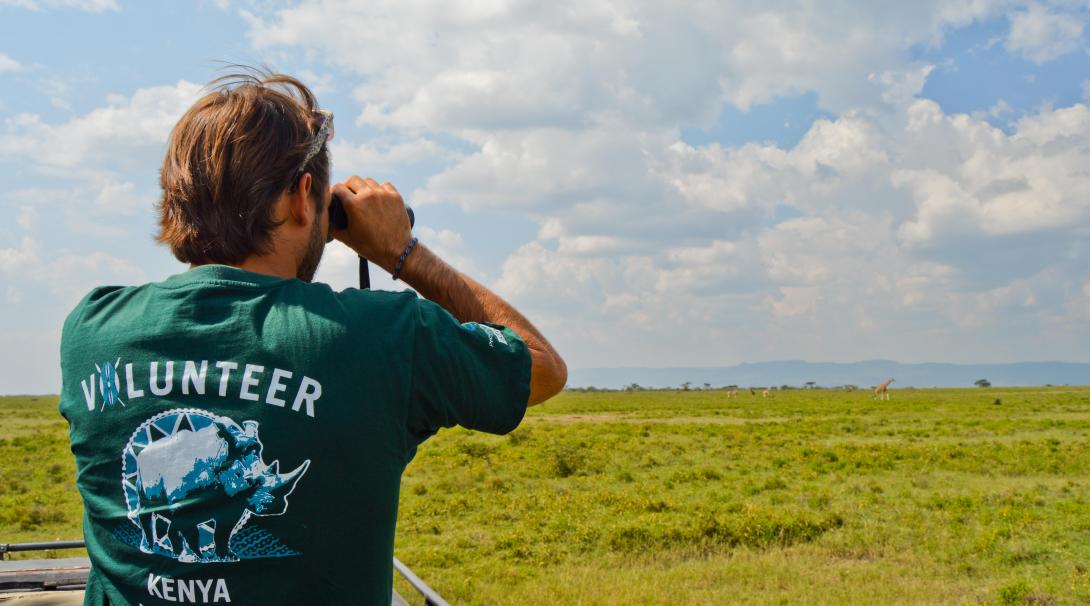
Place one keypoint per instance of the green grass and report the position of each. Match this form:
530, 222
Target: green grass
38, 497
813, 497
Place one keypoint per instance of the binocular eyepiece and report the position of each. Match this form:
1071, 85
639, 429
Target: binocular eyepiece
338, 218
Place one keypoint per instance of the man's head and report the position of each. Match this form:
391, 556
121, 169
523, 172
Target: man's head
235, 162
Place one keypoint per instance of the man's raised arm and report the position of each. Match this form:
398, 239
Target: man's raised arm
378, 230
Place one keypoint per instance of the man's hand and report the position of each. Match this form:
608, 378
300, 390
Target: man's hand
378, 230
378, 226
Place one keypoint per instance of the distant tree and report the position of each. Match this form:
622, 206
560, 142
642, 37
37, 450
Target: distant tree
685, 385
633, 387
707, 386
851, 387
810, 384
785, 387
983, 383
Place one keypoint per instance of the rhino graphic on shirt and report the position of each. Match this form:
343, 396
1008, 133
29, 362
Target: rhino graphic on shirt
197, 470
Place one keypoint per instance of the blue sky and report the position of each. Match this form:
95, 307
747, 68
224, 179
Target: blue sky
695, 186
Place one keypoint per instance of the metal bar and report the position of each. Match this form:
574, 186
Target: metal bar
430, 597
12, 547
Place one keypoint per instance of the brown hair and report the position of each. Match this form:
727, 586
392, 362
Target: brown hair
229, 159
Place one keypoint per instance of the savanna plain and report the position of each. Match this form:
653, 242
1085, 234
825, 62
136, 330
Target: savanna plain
938, 496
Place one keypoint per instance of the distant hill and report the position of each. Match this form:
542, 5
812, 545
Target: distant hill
826, 374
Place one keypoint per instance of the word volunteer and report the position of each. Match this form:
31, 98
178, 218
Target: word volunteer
276, 387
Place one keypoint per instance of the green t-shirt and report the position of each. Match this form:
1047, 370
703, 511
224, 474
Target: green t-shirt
241, 438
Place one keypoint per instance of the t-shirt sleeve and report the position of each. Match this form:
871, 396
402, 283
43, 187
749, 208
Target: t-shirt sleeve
476, 375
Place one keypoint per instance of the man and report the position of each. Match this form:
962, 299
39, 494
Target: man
239, 432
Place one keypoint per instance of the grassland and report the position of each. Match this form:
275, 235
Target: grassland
813, 497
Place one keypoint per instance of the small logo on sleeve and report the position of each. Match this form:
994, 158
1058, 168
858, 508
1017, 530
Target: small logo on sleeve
492, 334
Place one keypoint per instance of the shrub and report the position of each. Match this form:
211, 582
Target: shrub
476, 450
565, 461
1012, 594
519, 436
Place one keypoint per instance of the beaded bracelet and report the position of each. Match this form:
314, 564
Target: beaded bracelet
401, 259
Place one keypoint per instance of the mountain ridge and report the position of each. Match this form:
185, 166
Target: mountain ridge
796, 373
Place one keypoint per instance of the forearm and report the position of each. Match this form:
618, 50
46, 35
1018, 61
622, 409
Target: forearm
469, 301
378, 229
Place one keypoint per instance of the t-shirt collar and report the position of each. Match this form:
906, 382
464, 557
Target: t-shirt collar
222, 274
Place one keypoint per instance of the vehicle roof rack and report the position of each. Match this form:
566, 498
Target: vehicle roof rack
70, 574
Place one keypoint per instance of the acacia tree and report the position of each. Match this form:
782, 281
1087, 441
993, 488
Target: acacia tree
983, 383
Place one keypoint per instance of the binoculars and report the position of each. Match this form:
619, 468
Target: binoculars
338, 219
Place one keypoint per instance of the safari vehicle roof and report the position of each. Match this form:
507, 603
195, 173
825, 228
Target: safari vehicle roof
34, 581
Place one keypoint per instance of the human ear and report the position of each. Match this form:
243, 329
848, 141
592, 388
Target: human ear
299, 206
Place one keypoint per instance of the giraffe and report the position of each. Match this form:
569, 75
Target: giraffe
882, 391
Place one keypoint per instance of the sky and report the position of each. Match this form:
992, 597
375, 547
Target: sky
653, 184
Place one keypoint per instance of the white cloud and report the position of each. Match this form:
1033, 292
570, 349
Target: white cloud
915, 223
50, 261
995, 184
26, 218
85, 157
59, 91
22, 255
66, 275
998, 110
319, 83
7, 64
832, 154
378, 157
120, 197
565, 64
891, 229
449, 245
546, 168
889, 218
1041, 35
118, 132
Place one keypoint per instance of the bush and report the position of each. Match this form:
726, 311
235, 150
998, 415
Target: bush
476, 450
565, 461
519, 436
1011, 594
